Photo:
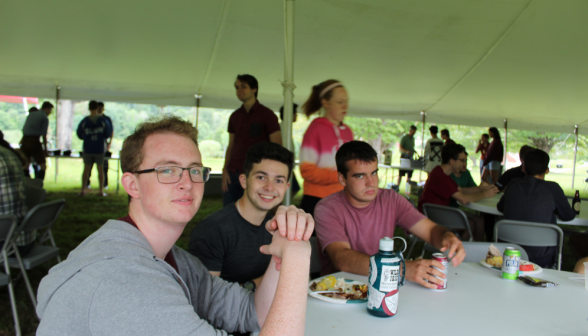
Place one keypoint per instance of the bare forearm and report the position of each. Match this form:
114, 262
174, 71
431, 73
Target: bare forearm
470, 190
437, 234
45, 142
288, 309
353, 262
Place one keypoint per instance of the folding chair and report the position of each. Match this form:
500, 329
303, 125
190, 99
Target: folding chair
449, 217
34, 195
41, 217
315, 259
476, 251
7, 229
530, 234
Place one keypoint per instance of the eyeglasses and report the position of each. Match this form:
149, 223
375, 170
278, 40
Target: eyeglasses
173, 174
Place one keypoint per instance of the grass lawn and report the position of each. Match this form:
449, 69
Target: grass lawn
84, 215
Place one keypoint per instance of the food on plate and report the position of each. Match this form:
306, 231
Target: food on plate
343, 290
494, 257
526, 266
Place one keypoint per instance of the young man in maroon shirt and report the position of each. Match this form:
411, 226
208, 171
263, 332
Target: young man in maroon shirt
351, 222
440, 188
250, 124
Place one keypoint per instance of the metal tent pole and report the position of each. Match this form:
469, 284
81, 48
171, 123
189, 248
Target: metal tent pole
197, 109
575, 155
57, 92
288, 83
505, 141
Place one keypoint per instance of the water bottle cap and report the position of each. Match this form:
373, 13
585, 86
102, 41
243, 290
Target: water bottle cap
387, 244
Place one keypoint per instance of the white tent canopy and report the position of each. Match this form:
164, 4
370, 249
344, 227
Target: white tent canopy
462, 62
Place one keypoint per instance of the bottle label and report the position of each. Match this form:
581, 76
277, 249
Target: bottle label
373, 270
389, 278
389, 260
577, 206
375, 298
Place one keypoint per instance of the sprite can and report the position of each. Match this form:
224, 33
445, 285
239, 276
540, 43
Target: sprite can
511, 260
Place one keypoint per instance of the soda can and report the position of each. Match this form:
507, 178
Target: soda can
511, 260
442, 258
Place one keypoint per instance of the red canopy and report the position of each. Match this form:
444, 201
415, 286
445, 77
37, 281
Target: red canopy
18, 100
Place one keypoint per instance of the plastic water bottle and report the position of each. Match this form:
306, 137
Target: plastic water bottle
384, 279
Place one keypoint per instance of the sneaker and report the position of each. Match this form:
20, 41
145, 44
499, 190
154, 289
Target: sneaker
105, 187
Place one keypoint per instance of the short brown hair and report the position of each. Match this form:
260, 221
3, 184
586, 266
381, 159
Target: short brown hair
131, 154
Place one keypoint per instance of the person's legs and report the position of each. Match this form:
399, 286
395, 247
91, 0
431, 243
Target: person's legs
494, 175
87, 168
100, 169
105, 173
235, 191
481, 166
408, 176
401, 173
485, 175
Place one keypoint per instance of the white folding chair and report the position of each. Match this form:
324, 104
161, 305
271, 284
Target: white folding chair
7, 230
41, 217
530, 234
476, 251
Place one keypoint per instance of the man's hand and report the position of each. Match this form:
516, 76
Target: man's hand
420, 271
279, 245
453, 244
226, 180
491, 191
291, 222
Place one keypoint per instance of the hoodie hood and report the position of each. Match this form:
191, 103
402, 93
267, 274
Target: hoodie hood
114, 240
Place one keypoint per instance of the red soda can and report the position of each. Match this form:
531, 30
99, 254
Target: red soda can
442, 258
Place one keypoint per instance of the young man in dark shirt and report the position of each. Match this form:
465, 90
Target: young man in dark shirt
228, 241
250, 124
533, 199
515, 172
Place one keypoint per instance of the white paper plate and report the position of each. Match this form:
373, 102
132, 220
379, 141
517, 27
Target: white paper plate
537, 270
334, 300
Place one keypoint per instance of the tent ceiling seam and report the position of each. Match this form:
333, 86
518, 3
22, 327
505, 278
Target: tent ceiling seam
219, 30
472, 69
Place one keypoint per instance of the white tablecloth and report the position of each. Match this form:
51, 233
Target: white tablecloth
477, 302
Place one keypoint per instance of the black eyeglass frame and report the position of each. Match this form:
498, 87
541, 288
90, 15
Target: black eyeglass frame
205, 172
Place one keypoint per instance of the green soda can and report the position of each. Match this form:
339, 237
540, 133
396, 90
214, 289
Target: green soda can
511, 260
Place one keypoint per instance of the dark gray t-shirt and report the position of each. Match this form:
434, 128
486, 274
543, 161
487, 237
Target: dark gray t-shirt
226, 242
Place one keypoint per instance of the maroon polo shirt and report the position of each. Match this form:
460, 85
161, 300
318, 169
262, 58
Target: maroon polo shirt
250, 128
438, 189
169, 258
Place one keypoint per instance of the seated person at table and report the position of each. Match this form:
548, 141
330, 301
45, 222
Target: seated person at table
128, 278
227, 242
351, 222
464, 180
440, 189
579, 248
532, 199
515, 172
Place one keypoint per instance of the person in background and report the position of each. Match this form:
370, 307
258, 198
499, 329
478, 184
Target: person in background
440, 188
93, 129
227, 242
294, 182
108, 143
12, 193
464, 180
406, 147
482, 149
515, 172
433, 149
579, 248
250, 124
494, 155
351, 222
324, 136
446, 138
36, 126
131, 268
532, 199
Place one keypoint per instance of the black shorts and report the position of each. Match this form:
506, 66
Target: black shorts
32, 148
403, 172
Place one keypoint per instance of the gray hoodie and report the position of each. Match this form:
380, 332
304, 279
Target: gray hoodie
112, 284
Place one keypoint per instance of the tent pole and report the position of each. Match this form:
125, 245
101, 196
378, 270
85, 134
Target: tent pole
575, 155
423, 117
197, 109
288, 83
505, 141
57, 92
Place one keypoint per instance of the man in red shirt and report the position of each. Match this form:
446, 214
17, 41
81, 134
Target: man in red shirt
440, 187
351, 222
250, 124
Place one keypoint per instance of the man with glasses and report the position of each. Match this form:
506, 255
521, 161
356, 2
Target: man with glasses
227, 242
129, 278
440, 188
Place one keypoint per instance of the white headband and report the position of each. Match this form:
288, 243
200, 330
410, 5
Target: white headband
329, 88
